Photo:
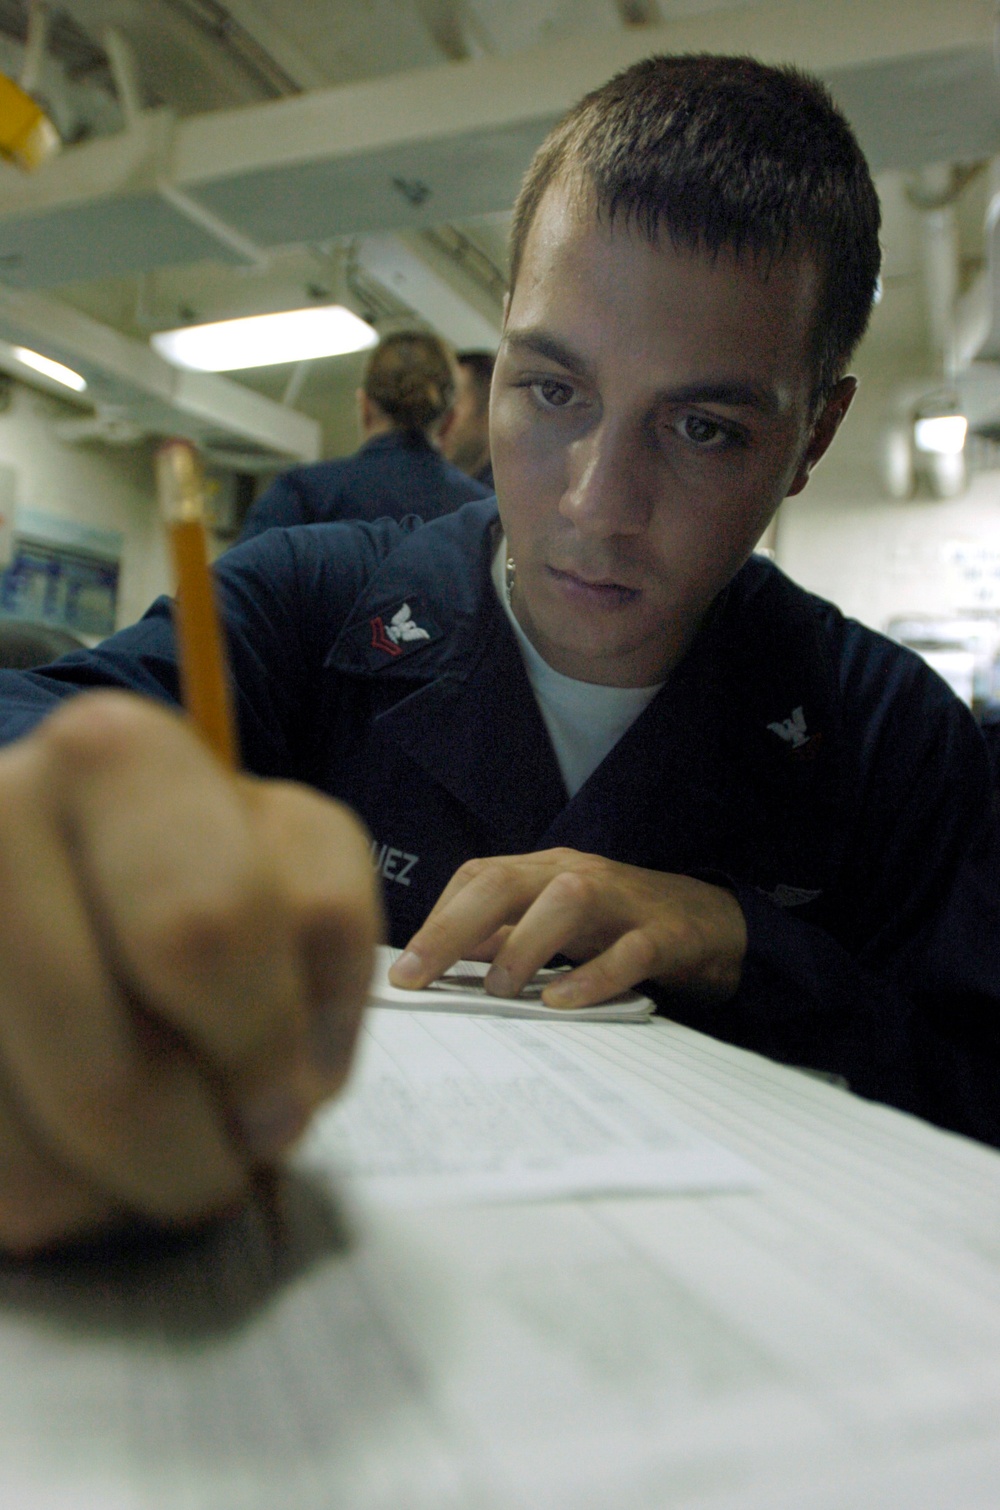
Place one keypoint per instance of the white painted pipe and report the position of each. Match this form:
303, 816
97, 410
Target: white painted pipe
39, 17
295, 384
939, 234
124, 73
973, 321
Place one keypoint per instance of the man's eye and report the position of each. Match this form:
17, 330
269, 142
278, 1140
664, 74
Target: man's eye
553, 394
703, 432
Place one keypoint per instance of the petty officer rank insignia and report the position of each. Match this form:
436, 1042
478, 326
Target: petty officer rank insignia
796, 737
396, 631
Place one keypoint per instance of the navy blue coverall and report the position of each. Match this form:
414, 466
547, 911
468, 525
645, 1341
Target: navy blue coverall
823, 773
391, 476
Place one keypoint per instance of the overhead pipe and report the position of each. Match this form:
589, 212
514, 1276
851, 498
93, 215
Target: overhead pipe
124, 74
934, 191
39, 20
296, 382
957, 327
972, 321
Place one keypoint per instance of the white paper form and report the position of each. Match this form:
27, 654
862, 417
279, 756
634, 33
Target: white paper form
828, 1343
479, 1109
460, 989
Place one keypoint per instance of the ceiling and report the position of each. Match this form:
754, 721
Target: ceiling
256, 154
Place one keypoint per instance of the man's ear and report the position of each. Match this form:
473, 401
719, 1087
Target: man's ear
365, 411
827, 424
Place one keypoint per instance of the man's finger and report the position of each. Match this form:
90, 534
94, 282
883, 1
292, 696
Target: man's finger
557, 919
491, 893
630, 960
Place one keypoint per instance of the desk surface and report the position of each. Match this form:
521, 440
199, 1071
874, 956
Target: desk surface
830, 1342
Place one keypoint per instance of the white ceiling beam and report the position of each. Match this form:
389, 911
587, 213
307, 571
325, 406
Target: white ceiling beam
423, 105
449, 143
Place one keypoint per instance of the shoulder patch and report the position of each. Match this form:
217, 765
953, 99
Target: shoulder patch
794, 734
397, 630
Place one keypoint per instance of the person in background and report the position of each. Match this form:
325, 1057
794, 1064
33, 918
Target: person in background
405, 396
465, 431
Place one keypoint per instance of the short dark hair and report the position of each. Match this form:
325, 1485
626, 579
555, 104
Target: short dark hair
479, 365
727, 152
410, 375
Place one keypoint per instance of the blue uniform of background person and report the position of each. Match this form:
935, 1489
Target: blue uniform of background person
825, 774
391, 475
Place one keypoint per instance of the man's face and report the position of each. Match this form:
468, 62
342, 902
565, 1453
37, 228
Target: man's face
650, 410
465, 439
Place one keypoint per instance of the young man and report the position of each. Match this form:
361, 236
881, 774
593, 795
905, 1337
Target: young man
587, 726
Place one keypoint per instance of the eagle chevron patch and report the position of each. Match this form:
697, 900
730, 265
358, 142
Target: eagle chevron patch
397, 631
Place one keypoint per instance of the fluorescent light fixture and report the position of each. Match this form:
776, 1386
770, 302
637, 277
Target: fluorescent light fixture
294, 335
54, 370
942, 434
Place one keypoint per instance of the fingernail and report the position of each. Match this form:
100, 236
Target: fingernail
270, 1123
499, 981
564, 993
408, 969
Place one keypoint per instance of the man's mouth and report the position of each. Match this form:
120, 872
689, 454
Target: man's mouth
600, 591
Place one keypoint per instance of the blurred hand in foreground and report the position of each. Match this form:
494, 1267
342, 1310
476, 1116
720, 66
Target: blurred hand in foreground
185, 956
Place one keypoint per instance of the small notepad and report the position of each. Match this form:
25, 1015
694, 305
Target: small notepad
461, 989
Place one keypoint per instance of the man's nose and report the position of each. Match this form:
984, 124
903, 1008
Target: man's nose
605, 493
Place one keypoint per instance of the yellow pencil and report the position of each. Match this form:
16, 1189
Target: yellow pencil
203, 669
200, 649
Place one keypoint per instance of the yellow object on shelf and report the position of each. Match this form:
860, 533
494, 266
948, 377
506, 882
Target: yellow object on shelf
27, 136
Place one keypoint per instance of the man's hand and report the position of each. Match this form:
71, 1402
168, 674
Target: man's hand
627, 924
184, 956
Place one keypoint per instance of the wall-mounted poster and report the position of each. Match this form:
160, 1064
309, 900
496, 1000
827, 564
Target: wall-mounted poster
62, 574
